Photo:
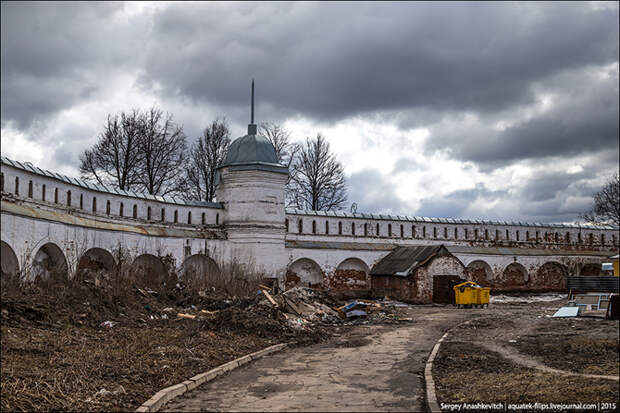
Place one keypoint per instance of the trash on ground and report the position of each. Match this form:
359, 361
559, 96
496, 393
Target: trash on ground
183, 315
567, 312
108, 324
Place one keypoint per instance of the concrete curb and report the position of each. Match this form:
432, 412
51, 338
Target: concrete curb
165, 395
431, 395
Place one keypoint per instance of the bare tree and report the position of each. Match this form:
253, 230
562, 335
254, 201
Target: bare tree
137, 150
205, 155
606, 208
318, 181
163, 150
286, 151
115, 158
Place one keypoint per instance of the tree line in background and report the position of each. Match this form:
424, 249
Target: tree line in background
148, 152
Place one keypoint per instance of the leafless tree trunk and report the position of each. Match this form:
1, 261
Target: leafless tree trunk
606, 208
115, 158
207, 153
318, 181
163, 150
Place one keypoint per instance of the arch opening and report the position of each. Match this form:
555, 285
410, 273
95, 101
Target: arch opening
351, 273
9, 262
550, 276
514, 276
150, 270
480, 272
49, 263
304, 272
199, 270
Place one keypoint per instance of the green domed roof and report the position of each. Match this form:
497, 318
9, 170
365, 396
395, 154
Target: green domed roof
250, 149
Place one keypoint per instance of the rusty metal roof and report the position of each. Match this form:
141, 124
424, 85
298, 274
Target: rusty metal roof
293, 211
28, 167
404, 260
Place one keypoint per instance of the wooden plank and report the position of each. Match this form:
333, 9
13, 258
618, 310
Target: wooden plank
269, 298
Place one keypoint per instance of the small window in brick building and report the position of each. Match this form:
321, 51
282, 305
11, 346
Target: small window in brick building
327, 227
107, 208
507, 234
466, 233
17, 185
313, 226
568, 237
378, 230
537, 234
456, 233
517, 235
189, 217
413, 234
1, 181
68, 198
389, 230
148, 213
527, 235
163, 214
579, 237
81, 201
402, 231
366, 229
94, 204
217, 219
476, 233
120, 209
602, 239
557, 237
55, 195
135, 211
202, 219
176, 216
486, 234
353, 228
445, 232
43, 193
286, 224
434, 232
29, 189
424, 232
496, 234
339, 228
300, 226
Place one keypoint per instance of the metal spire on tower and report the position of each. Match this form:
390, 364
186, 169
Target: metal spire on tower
252, 126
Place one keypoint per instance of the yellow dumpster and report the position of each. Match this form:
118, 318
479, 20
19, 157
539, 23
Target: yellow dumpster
482, 296
465, 293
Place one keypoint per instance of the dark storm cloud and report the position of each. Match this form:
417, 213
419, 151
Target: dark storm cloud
583, 117
55, 55
330, 61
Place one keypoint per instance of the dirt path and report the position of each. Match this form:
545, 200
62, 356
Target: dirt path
526, 361
372, 368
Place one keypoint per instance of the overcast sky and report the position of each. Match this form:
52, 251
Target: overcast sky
472, 110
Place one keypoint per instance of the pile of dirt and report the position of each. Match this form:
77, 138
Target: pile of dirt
97, 344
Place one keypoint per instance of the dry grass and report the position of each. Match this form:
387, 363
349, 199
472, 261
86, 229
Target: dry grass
464, 372
57, 356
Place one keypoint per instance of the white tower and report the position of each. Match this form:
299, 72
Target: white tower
251, 186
